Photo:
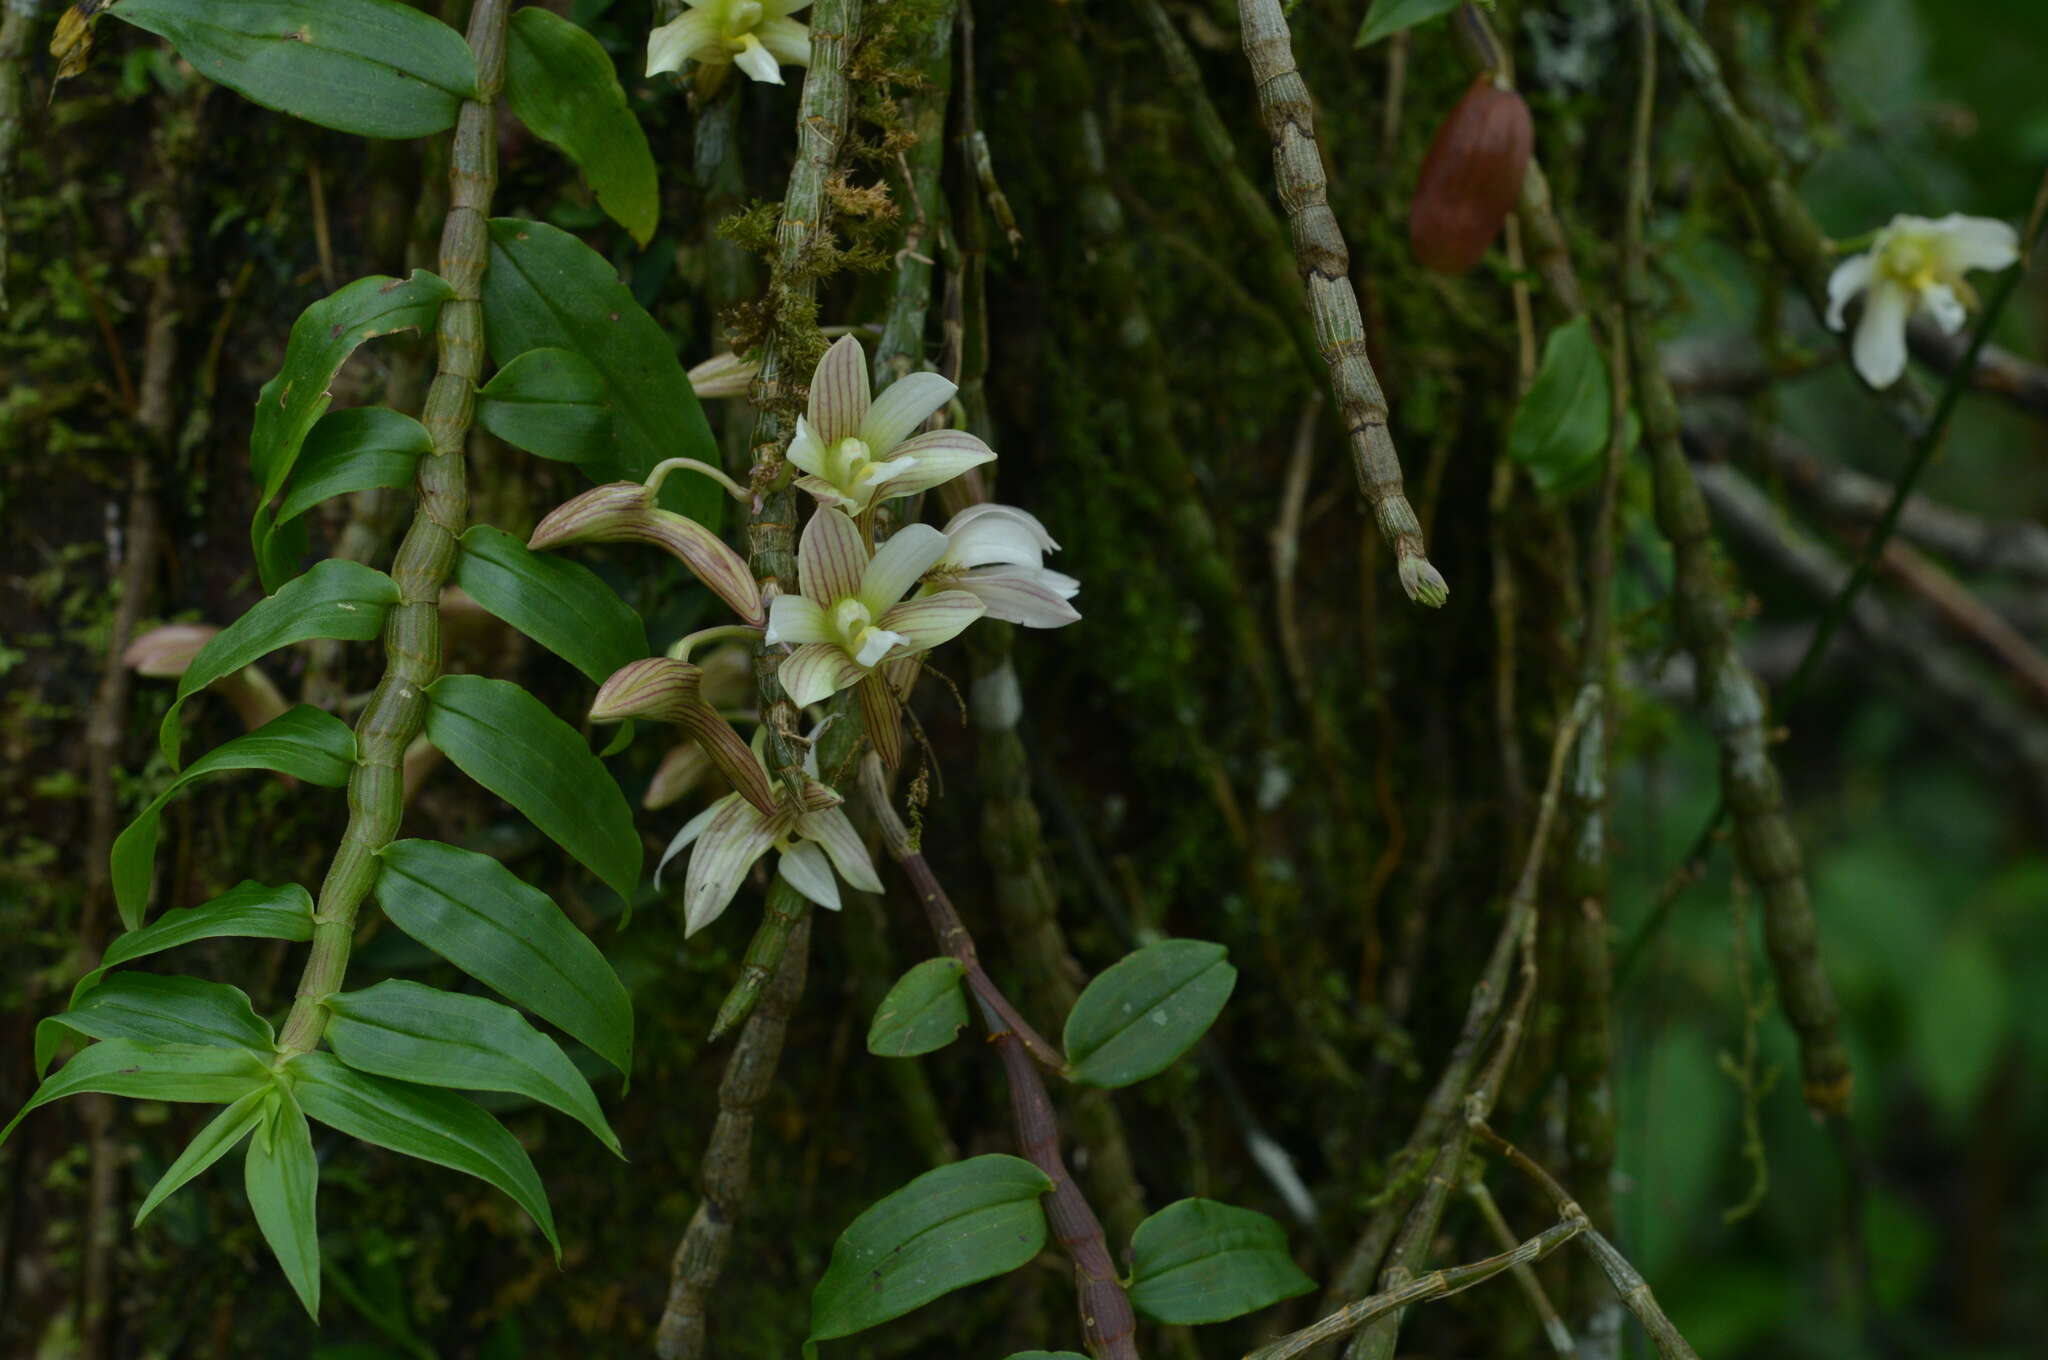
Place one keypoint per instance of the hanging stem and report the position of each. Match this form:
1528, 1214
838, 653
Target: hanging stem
397, 709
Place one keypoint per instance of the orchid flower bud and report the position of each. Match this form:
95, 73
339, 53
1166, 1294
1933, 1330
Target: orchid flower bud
666, 690
1470, 178
624, 512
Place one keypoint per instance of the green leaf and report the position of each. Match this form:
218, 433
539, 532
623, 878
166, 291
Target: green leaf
290, 404
550, 402
562, 85
546, 289
376, 68
354, 449
947, 1228
303, 742
435, 1038
923, 1012
155, 1009
508, 741
434, 1126
1960, 1022
475, 913
336, 599
1388, 17
1048, 1355
1145, 1010
282, 1179
561, 605
250, 910
1199, 1261
178, 1072
209, 1145
1560, 428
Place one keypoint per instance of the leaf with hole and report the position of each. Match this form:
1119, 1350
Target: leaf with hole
291, 403
250, 910
560, 604
923, 1012
551, 402
478, 915
282, 1179
376, 68
336, 599
302, 742
153, 1008
1199, 1261
947, 1228
175, 1072
508, 741
434, 1038
562, 85
546, 289
434, 1126
1145, 1010
1560, 427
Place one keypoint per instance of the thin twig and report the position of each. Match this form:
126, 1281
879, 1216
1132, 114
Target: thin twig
1554, 1330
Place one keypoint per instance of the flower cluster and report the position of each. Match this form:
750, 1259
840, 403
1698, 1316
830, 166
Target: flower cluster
860, 616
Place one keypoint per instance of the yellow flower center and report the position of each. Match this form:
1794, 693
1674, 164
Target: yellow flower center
741, 18
849, 460
1910, 260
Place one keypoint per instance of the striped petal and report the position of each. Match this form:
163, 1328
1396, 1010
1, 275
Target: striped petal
692, 829
910, 552
804, 867
733, 839
817, 671
1020, 597
839, 392
733, 757
930, 620
941, 456
832, 830
904, 406
796, 619
830, 558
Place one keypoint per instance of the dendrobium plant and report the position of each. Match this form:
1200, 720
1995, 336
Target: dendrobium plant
1914, 264
997, 554
854, 450
814, 837
758, 36
847, 619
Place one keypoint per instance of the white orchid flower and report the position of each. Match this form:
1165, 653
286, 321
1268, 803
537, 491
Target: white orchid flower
855, 450
758, 36
813, 836
997, 554
847, 620
1914, 264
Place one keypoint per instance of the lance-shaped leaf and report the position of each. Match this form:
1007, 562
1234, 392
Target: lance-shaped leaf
434, 1126
435, 1038
922, 1013
303, 742
666, 690
356, 449
562, 85
508, 741
289, 405
220, 1136
282, 1179
376, 68
551, 402
623, 512
336, 599
947, 1228
1145, 1010
155, 1009
559, 604
1560, 428
249, 910
478, 915
1199, 1261
1388, 17
177, 1072
546, 289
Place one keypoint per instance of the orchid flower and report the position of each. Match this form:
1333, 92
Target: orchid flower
846, 620
758, 36
1914, 264
997, 554
814, 837
856, 450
